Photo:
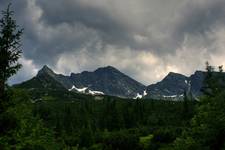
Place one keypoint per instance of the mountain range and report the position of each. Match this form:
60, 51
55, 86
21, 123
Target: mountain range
110, 81
107, 80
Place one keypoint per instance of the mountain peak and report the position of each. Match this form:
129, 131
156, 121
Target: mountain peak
173, 75
45, 70
110, 67
45, 67
108, 80
107, 68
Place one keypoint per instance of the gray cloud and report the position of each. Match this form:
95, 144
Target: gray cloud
199, 16
145, 39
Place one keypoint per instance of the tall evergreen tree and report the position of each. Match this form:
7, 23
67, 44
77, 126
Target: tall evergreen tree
185, 105
220, 68
207, 129
10, 45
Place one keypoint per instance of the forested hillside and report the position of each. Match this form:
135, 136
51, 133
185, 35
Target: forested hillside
80, 121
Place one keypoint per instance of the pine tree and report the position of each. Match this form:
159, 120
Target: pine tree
10, 45
207, 130
220, 68
185, 105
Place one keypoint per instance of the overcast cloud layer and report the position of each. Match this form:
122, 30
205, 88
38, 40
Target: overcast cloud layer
145, 39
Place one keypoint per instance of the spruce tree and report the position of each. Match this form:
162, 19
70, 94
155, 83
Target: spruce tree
10, 48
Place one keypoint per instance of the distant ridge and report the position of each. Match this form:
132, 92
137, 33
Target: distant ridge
110, 81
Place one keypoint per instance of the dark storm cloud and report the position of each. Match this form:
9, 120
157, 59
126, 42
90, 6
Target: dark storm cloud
72, 12
198, 17
75, 35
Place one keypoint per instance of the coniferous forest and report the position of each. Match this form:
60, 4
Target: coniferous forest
63, 120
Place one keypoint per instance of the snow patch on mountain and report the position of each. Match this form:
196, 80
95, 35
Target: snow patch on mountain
140, 96
81, 90
85, 90
173, 97
169, 96
95, 92
145, 93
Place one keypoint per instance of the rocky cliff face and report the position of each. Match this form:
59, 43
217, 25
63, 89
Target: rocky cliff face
172, 85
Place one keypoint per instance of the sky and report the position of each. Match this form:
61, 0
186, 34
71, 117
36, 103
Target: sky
145, 39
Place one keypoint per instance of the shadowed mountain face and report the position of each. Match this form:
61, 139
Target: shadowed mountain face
196, 81
45, 79
108, 80
172, 84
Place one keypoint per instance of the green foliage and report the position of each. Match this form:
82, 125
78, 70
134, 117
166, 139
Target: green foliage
145, 141
77, 121
207, 130
111, 123
121, 140
207, 127
10, 50
21, 130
